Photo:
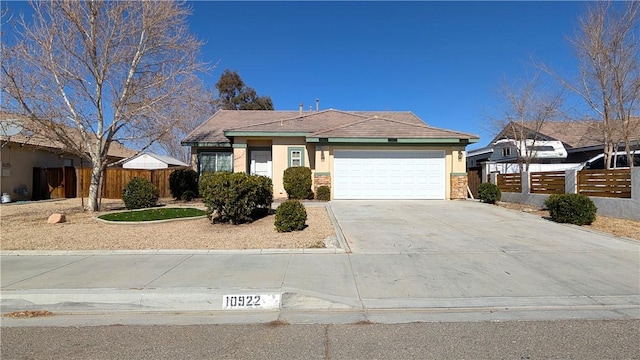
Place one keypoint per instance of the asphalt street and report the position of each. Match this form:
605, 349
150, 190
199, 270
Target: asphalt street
519, 340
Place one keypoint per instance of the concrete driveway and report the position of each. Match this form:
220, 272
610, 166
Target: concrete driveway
468, 254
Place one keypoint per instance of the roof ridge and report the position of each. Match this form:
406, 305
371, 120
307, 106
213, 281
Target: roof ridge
368, 119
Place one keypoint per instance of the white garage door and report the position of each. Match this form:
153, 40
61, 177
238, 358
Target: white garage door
388, 174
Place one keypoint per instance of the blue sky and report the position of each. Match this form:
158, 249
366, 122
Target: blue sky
444, 61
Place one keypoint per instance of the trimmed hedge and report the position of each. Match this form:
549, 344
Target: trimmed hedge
323, 193
290, 216
297, 182
235, 197
183, 184
489, 193
140, 193
575, 209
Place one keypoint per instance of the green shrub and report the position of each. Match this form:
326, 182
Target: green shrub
235, 197
323, 193
489, 193
297, 182
140, 193
183, 184
571, 208
290, 216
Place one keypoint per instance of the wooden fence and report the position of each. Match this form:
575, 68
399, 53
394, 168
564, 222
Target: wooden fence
474, 180
115, 179
510, 182
551, 182
605, 183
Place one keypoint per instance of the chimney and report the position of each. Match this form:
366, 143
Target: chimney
317, 104
301, 105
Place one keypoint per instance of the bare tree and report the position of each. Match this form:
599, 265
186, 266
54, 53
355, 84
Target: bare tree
606, 45
527, 108
95, 72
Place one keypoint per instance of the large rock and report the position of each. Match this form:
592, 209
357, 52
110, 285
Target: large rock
56, 219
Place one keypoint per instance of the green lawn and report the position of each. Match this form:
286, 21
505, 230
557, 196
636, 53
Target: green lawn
153, 214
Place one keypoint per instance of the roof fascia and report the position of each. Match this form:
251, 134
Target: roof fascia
396, 140
205, 144
264, 133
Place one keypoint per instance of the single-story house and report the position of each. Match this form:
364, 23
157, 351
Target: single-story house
34, 167
359, 154
151, 161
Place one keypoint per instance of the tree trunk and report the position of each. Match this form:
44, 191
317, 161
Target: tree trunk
94, 187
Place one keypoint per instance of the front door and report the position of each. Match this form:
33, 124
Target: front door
261, 163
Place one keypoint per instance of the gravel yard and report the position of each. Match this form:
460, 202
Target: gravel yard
24, 227
619, 227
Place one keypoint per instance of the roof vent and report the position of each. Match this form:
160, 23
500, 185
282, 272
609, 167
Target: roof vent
301, 106
317, 104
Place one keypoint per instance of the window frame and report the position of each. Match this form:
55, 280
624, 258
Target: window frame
290, 151
217, 155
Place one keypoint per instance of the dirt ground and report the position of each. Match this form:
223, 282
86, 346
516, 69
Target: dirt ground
24, 227
619, 227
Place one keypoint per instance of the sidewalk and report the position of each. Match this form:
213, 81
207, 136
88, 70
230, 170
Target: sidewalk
309, 287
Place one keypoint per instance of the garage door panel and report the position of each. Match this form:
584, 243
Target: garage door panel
389, 174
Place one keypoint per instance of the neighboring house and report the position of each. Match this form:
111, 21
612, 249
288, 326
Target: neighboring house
359, 154
35, 167
151, 161
582, 140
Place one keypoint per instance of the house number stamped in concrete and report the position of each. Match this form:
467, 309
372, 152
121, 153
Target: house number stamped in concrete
263, 301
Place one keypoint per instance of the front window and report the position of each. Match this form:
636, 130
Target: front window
215, 161
296, 156
506, 151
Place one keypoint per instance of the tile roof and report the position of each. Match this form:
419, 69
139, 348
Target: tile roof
325, 123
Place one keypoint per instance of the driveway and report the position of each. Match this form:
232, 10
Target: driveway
464, 253
458, 227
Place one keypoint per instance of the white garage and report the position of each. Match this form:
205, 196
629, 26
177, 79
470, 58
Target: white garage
385, 174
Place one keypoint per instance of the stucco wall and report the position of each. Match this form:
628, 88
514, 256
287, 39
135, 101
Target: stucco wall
22, 160
280, 156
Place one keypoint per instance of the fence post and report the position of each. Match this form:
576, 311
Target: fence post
635, 183
524, 182
571, 181
494, 178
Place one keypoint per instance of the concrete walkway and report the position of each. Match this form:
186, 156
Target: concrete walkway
410, 261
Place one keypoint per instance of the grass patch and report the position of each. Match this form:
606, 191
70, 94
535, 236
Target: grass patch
153, 214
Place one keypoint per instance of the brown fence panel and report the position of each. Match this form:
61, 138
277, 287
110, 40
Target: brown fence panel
160, 178
115, 179
510, 182
551, 182
473, 180
605, 183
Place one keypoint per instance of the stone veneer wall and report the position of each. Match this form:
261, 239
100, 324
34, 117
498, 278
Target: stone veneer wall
459, 186
321, 180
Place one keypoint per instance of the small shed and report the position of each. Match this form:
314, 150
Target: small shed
151, 161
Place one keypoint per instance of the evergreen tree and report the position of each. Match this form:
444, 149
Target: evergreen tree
234, 94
